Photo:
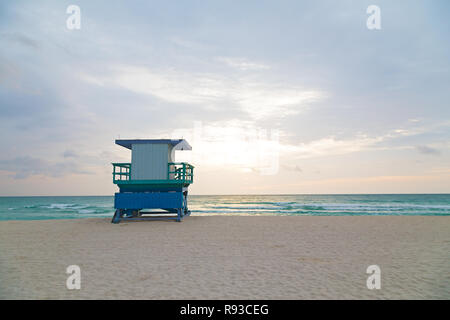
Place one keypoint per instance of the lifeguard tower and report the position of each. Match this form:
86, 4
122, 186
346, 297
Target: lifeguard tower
152, 181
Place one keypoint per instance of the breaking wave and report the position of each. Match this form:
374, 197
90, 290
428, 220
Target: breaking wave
32, 208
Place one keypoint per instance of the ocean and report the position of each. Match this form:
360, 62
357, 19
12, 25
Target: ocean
41, 208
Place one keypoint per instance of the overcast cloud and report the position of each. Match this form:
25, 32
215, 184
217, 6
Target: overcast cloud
348, 102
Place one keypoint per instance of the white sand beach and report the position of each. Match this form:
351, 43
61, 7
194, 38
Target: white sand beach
238, 257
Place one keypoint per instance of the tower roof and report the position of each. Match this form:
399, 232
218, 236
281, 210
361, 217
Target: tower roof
178, 144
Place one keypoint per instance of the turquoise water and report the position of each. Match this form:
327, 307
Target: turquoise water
38, 208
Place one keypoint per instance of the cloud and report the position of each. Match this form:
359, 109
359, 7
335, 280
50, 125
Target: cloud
242, 64
295, 168
25, 166
70, 154
9, 74
330, 146
428, 150
259, 99
21, 39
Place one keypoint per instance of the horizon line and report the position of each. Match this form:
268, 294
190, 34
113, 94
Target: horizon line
249, 194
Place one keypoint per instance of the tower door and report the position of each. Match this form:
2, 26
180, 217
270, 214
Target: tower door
149, 161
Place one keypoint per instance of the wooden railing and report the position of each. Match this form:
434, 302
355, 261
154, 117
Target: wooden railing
121, 171
179, 171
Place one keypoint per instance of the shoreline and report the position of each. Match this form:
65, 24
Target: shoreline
227, 257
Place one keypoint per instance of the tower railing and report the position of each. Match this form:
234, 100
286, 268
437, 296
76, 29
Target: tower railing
178, 171
121, 171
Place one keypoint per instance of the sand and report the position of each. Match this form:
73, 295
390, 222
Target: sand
235, 257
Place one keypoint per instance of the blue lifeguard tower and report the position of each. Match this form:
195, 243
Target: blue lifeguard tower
152, 181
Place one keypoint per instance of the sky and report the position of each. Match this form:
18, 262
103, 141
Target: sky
275, 97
